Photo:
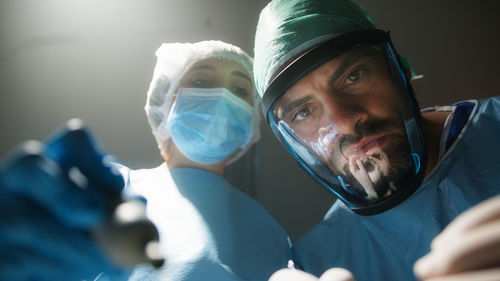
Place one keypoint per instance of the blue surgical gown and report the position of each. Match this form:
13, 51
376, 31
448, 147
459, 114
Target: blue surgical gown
385, 246
208, 229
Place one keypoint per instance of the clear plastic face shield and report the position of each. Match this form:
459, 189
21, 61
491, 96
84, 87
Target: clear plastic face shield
346, 112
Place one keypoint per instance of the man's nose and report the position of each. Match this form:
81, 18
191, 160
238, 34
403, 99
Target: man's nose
341, 116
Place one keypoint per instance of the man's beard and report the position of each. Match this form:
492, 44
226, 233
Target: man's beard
398, 154
399, 157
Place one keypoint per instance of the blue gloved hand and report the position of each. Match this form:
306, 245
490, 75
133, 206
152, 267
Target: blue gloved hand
52, 196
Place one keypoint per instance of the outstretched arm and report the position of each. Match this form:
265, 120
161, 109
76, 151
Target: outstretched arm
57, 199
467, 249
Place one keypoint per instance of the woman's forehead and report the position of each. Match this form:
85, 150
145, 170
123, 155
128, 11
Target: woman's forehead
218, 64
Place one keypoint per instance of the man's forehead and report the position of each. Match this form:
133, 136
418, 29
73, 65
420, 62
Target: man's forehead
352, 56
345, 59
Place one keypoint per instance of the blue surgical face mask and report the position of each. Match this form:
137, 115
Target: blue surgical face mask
209, 125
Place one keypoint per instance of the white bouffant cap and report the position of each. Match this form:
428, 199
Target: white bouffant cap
173, 61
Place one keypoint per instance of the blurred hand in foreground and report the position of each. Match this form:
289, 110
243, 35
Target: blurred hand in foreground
467, 249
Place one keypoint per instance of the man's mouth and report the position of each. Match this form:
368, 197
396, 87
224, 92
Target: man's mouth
366, 147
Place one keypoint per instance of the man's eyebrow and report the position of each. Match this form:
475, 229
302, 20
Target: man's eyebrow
242, 75
292, 105
350, 59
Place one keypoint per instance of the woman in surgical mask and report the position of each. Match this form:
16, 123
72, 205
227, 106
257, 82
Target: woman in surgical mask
204, 113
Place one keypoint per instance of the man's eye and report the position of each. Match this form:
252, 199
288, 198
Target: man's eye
301, 114
354, 76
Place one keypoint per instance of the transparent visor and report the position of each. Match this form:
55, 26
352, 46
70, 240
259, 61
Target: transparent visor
354, 125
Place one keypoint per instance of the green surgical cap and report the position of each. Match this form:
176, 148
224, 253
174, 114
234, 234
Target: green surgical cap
286, 28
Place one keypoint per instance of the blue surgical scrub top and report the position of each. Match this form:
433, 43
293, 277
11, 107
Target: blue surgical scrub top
385, 246
208, 229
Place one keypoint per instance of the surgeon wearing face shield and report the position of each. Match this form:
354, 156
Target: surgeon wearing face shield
352, 143
204, 114
339, 98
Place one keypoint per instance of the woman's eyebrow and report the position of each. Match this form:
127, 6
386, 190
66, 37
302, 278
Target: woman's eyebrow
203, 67
242, 75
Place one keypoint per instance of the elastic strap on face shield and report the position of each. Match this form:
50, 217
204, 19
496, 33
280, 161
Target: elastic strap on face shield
314, 57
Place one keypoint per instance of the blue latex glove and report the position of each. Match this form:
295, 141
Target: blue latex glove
52, 195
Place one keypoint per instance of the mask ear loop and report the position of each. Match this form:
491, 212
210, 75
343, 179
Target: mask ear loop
166, 149
162, 132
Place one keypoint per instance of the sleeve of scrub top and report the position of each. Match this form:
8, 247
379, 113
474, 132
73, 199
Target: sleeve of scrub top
208, 229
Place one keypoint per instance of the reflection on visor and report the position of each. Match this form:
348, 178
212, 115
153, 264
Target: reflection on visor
366, 174
353, 126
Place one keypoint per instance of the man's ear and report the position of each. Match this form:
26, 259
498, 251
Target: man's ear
408, 74
411, 75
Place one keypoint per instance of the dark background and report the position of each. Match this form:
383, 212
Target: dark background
94, 59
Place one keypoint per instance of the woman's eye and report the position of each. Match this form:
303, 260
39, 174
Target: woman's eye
199, 83
240, 91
